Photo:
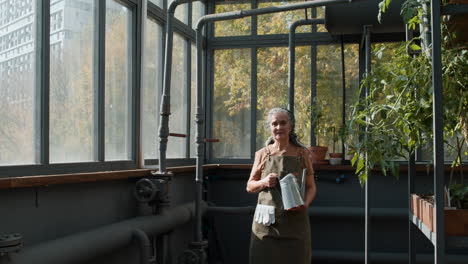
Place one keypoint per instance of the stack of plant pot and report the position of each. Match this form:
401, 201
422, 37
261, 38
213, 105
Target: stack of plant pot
456, 220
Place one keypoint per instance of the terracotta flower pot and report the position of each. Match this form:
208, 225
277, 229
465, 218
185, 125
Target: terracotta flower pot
335, 155
456, 222
317, 155
415, 208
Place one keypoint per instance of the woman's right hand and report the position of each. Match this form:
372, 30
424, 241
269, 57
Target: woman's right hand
270, 180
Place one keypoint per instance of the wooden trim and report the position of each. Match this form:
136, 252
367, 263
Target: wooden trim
45, 180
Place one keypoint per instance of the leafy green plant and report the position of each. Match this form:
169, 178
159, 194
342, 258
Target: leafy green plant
321, 123
396, 116
459, 196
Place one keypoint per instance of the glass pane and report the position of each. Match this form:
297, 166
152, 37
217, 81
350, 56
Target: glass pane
329, 95
193, 104
198, 10
321, 14
180, 12
236, 27
278, 23
71, 81
231, 106
352, 81
302, 93
272, 87
450, 150
178, 118
151, 92
157, 2
118, 82
17, 82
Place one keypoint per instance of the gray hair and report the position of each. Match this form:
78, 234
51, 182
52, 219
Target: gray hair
292, 135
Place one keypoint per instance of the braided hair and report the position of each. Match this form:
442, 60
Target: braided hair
293, 138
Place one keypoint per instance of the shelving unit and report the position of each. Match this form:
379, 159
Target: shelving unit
438, 237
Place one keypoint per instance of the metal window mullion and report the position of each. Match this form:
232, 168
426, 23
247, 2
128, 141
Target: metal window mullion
42, 82
99, 72
253, 102
313, 78
208, 94
439, 242
131, 82
189, 14
343, 89
313, 89
139, 75
254, 20
188, 85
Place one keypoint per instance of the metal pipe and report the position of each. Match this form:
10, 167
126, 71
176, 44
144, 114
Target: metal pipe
367, 242
266, 10
165, 110
200, 113
292, 55
144, 245
85, 246
411, 226
200, 150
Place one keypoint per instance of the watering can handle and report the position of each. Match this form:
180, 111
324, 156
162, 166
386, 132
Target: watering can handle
304, 172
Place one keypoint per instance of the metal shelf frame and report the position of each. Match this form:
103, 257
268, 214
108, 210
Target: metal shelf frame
438, 238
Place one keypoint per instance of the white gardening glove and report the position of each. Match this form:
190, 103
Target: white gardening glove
271, 213
264, 214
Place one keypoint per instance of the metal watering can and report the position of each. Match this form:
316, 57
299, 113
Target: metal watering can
292, 193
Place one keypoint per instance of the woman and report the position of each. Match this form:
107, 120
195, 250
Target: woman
280, 236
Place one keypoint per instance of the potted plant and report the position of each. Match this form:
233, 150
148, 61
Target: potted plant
335, 157
319, 125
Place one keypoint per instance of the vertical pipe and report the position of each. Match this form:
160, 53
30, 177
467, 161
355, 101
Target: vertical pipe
199, 118
292, 62
165, 110
143, 243
411, 227
438, 126
367, 188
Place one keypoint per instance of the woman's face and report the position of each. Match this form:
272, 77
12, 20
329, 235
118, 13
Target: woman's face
280, 126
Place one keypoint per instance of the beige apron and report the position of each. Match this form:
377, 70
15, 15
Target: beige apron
287, 241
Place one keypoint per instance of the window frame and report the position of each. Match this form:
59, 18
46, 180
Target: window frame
42, 64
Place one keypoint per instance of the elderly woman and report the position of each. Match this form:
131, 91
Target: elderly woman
280, 236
